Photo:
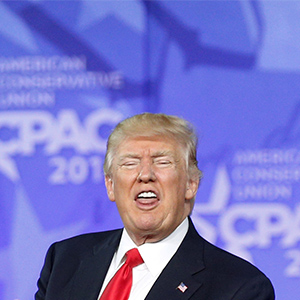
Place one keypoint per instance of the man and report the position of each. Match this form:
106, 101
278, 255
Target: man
151, 173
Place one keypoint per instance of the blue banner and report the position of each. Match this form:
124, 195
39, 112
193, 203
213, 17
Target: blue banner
71, 70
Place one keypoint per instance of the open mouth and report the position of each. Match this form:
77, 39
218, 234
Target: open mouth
146, 195
147, 200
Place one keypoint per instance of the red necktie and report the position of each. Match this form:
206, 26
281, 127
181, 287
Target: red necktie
120, 285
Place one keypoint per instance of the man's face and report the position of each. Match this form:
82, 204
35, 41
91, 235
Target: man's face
150, 185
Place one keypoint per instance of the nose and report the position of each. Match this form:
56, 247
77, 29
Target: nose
146, 173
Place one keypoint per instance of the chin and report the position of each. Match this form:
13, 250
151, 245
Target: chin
148, 224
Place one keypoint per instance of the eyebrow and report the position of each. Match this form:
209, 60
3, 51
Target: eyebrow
129, 155
154, 155
163, 153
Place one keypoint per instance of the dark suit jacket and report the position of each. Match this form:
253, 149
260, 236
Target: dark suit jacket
75, 269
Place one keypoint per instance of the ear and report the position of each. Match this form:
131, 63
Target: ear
110, 188
191, 189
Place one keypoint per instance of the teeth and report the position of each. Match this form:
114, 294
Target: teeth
147, 195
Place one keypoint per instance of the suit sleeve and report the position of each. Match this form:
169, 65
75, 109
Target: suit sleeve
45, 275
259, 288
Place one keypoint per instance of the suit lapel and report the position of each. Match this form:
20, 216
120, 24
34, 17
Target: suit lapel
92, 270
182, 268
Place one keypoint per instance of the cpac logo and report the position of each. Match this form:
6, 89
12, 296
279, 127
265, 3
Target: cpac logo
22, 131
242, 226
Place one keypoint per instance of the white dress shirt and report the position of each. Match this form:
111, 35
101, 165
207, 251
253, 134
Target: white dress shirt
155, 256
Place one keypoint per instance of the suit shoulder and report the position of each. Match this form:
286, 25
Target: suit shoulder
86, 242
228, 263
221, 261
236, 272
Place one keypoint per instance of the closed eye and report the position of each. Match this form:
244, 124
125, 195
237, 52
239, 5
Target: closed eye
130, 164
163, 162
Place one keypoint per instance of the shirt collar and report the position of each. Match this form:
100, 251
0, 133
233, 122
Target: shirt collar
155, 255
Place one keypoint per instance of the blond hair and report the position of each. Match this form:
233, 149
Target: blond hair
148, 125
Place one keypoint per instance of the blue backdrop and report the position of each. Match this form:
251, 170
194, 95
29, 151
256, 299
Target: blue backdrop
71, 70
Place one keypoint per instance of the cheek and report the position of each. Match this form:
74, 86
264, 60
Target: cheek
123, 186
174, 187
124, 180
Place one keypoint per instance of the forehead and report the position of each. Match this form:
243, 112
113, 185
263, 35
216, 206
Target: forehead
151, 145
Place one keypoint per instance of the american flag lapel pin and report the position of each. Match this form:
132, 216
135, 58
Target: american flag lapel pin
182, 287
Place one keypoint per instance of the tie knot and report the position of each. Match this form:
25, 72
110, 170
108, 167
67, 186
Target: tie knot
133, 258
